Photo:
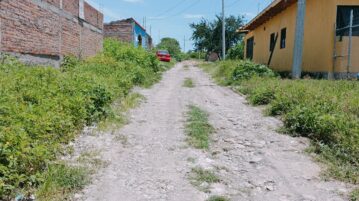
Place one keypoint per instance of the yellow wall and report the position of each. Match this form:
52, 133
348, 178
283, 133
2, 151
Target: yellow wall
318, 38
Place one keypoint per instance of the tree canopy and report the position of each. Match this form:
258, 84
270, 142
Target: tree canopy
170, 44
207, 35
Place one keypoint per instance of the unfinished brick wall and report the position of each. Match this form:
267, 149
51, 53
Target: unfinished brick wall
121, 30
46, 30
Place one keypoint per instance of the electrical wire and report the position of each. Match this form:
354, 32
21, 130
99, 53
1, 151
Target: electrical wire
187, 8
180, 12
171, 8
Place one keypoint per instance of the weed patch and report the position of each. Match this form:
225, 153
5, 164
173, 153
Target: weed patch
188, 82
60, 181
198, 128
201, 178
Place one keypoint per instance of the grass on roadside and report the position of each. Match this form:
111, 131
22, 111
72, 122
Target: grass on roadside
116, 118
198, 128
201, 178
188, 82
61, 181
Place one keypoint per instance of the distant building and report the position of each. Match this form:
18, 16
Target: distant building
128, 30
270, 37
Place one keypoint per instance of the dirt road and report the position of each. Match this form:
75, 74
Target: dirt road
252, 160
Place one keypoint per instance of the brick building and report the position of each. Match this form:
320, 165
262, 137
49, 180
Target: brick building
43, 31
128, 30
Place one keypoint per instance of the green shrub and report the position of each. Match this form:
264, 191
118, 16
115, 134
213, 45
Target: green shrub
42, 108
231, 72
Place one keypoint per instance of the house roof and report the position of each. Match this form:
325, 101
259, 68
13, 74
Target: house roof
269, 12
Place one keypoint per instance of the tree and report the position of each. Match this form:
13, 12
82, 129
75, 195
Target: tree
207, 35
237, 51
172, 45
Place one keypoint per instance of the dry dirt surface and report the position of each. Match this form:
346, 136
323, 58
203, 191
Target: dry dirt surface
150, 160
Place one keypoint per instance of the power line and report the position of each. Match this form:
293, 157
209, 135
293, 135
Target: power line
180, 12
187, 8
171, 8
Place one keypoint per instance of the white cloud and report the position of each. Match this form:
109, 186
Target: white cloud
193, 16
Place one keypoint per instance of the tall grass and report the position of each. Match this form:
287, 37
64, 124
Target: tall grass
325, 111
42, 108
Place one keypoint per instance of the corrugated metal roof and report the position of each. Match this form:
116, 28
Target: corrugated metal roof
272, 10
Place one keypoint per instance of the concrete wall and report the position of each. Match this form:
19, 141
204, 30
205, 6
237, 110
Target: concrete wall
318, 39
42, 32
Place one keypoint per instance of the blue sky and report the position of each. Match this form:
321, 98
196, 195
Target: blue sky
172, 18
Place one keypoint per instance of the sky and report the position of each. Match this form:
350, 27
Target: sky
171, 18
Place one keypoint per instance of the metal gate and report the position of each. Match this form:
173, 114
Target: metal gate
346, 29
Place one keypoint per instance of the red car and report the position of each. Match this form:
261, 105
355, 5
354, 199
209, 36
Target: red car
163, 55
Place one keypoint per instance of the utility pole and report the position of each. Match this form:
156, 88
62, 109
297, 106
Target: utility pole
223, 33
299, 40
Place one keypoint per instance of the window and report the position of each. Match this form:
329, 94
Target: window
283, 38
272, 42
343, 20
249, 48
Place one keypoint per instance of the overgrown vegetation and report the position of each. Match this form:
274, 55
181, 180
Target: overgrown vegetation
198, 128
42, 108
325, 111
188, 82
201, 178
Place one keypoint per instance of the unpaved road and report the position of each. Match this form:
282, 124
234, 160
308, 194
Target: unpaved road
152, 161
